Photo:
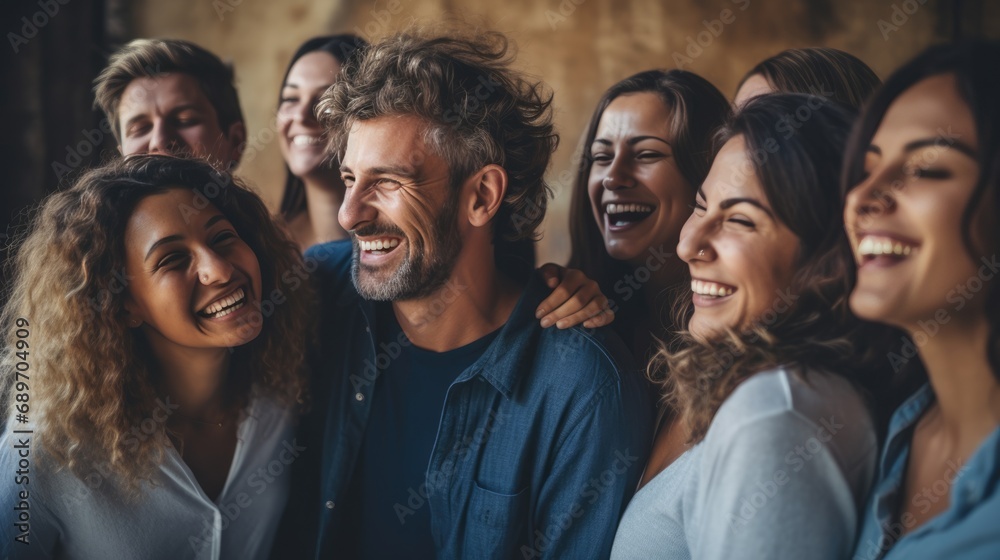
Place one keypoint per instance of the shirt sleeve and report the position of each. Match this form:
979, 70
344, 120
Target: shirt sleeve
772, 488
595, 471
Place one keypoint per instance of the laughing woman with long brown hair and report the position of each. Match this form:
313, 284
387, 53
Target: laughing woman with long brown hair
768, 375
922, 177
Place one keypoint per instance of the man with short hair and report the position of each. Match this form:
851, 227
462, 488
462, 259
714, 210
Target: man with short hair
449, 423
172, 96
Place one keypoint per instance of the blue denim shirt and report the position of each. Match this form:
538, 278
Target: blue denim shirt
540, 443
968, 529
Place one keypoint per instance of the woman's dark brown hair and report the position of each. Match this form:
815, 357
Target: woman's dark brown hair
697, 109
798, 171
820, 71
974, 66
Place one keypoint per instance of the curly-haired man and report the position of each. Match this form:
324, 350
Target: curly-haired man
448, 423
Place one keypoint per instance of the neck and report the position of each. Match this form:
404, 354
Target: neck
195, 380
324, 195
475, 301
967, 391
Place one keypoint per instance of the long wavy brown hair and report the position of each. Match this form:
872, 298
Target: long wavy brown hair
91, 378
812, 326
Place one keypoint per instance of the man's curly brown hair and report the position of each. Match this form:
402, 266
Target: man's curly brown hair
92, 378
478, 109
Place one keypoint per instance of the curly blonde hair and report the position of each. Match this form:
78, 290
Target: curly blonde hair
91, 378
810, 326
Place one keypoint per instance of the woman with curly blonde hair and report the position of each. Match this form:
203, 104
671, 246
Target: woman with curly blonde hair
768, 377
163, 319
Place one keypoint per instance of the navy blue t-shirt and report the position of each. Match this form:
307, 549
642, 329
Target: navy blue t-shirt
389, 505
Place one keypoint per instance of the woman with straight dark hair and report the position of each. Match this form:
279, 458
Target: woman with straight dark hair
921, 176
646, 150
767, 375
313, 189
820, 71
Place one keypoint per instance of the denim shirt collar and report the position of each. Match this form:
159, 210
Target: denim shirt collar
974, 482
508, 356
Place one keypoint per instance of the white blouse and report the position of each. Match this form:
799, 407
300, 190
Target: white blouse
173, 519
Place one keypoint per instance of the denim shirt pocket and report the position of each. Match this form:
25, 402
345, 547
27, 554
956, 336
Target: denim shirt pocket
496, 523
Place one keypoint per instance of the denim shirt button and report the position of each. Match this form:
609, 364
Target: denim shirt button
359, 397
330, 504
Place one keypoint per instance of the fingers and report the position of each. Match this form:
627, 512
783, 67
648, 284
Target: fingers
572, 283
551, 274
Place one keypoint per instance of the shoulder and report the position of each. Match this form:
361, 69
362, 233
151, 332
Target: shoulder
578, 348
331, 258
784, 407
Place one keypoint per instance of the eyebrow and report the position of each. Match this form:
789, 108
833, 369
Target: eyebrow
633, 141
175, 110
933, 142
730, 202
400, 170
171, 238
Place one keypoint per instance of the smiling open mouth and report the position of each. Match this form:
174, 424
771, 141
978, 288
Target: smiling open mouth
224, 306
711, 289
883, 250
620, 215
379, 246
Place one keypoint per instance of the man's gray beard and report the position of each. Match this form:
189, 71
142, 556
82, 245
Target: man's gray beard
416, 277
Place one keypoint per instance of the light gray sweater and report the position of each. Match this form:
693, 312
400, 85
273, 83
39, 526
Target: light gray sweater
781, 474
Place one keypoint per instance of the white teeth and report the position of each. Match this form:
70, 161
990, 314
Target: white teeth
303, 140
710, 289
378, 245
226, 305
622, 208
873, 246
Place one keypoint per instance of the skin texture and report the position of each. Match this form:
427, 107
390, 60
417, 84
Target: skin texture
393, 196
918, 182
169, 114
916, 195
308, 78
734, 239
398, 189
203, 261
181, 277
753, 86
633, 163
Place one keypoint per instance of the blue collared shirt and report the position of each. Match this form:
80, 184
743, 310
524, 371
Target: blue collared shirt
969, 528
539, 445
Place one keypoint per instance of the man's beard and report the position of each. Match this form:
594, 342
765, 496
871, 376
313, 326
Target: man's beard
417, 276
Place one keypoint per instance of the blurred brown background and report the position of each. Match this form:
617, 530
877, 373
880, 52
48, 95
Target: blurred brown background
579, 47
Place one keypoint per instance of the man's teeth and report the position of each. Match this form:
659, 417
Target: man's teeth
303, 140
874, 246
623, 208
379, 244
226, 305
703, 288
